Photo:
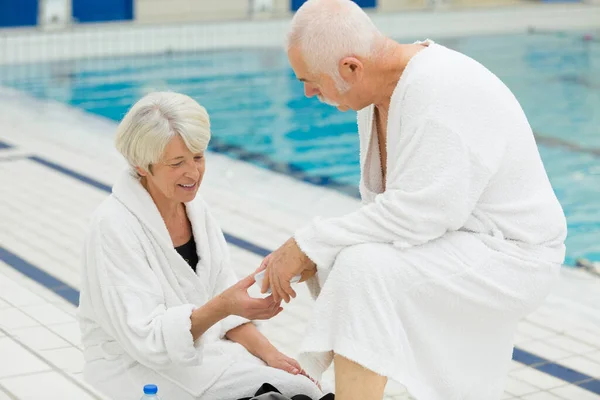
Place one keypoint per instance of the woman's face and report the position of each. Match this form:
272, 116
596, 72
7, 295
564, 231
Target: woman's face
178, 175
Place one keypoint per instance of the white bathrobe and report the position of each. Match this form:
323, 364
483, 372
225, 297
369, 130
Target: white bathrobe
137, 296
426, 281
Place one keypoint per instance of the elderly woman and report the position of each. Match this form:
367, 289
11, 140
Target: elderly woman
159, 302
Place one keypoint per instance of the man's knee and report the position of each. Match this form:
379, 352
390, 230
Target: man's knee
354, 258
361, 261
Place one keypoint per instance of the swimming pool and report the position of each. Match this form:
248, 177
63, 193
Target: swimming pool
260, 115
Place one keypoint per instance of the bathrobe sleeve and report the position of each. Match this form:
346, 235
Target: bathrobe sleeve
131, 304
433, 182
226, 277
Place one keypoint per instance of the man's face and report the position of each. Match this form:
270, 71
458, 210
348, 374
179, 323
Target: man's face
320, 85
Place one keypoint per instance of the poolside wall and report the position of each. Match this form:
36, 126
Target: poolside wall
64, 12
128, 38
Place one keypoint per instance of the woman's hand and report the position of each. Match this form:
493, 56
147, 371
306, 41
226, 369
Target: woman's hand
280, 361
277, 359
237, 302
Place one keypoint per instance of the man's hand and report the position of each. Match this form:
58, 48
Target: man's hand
282, 265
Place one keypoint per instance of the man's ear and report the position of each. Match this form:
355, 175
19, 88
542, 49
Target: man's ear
351, 69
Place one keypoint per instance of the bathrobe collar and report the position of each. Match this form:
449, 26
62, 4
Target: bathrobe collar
129, 191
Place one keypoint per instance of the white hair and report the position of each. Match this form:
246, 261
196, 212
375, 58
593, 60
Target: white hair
329, 30
154, 120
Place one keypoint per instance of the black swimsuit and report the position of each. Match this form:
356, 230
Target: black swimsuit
188, 252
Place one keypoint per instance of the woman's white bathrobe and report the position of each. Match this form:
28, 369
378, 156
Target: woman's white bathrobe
137, 296
426, 281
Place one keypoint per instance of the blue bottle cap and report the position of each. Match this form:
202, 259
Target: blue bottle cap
150, 389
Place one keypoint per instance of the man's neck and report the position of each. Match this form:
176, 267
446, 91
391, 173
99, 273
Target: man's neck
388, 71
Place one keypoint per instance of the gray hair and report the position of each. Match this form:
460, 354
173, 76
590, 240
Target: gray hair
329, 30
154, 120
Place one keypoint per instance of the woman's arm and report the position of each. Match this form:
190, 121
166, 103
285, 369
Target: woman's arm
206, 316
256, 343
233, 301
253, 340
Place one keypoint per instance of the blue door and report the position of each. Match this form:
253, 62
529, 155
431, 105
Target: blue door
18, 13
102, 10
363, 3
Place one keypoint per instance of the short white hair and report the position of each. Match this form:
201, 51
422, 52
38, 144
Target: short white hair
326, 31
154, 120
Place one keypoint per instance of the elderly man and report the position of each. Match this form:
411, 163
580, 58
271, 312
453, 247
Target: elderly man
459, 235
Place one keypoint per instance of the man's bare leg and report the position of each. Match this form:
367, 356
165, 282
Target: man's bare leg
355, 382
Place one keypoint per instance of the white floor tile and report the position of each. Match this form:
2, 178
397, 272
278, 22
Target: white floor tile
21, 360
572, 392
594, 356
49, 385
13, 318
517, 387
4, 396
70, 332
542, 349
548, 321
521, 338
16, 295
69, 359
570, 345
4, 304
78, 376
48, 314
541, 396
7, 271
516, 365
537, 378
586, 336
535, 331
40, 338
48, 295
582, 364
66, 306
5, 281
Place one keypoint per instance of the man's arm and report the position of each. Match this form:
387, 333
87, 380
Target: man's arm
434, 181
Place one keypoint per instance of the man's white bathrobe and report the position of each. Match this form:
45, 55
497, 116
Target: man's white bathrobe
426, 281
137, 296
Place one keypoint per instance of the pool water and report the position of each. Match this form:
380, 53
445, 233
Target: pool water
259, 113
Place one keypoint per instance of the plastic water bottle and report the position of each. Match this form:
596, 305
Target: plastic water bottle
150, 393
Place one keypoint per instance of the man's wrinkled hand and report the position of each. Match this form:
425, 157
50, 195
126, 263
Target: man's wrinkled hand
282, 265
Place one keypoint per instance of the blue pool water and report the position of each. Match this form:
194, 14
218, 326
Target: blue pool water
260, 115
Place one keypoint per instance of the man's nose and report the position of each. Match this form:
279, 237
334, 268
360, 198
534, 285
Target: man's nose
309, 90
